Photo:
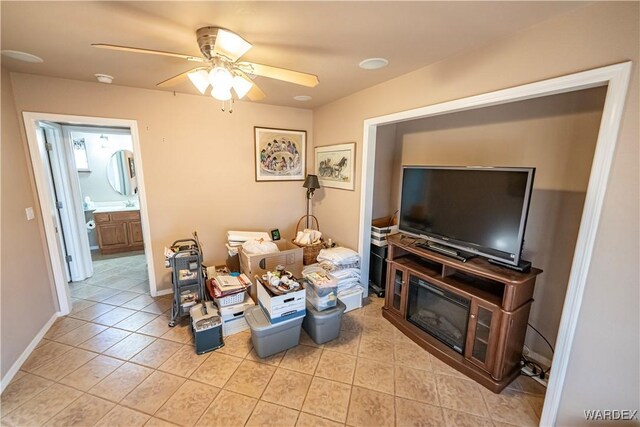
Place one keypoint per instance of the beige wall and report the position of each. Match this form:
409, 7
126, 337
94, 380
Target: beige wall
387, 158
27, 297
557, 136
198, 162
593, 36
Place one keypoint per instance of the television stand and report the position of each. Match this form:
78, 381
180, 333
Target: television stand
471, 315
445, 250
523, 266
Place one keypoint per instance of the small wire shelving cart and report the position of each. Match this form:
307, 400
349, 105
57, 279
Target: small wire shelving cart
186, 277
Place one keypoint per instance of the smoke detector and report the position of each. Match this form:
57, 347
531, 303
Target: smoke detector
104, 78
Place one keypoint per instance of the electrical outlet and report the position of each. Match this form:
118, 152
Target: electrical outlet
525, 350
30, 214
527, 371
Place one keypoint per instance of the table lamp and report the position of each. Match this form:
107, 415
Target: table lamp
311, 184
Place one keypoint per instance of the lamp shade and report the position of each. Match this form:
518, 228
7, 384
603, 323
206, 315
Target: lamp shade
311, 182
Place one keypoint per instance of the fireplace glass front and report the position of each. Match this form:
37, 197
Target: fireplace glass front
440, 313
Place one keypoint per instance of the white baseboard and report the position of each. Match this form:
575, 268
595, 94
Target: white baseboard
162, 292
26, 353
537, 357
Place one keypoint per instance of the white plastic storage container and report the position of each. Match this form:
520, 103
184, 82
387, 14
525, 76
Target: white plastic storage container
268, 338
322, 288
351, 297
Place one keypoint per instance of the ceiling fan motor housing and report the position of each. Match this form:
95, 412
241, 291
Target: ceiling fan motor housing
207, 41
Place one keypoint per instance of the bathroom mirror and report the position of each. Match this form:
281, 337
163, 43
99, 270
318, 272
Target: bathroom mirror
121, 173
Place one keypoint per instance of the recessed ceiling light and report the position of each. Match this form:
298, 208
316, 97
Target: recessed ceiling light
302, 98
104, 78
22, 56
374, 63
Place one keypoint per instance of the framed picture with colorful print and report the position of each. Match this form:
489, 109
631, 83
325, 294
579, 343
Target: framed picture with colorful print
280, 154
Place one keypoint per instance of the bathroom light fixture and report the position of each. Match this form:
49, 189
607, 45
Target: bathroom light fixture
302, 98
374, 63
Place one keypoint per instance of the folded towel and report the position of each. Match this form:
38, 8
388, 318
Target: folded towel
339, 256
308, 237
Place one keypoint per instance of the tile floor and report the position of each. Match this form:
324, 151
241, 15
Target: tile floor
114, 362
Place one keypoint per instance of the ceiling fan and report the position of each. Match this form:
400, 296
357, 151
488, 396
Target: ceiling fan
220, 67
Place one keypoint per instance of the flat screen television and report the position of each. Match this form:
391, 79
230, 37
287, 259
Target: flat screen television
478, 210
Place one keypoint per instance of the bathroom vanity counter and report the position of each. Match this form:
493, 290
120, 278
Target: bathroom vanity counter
118, 230
116, 209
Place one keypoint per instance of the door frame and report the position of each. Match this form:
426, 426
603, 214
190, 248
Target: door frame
616, 78
37, 158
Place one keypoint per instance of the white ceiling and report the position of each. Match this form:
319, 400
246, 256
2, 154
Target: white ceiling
324, 38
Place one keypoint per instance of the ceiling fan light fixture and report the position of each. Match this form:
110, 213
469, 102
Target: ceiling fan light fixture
242, 86
200, 80
221, 94
374, 63
232, 45
220, 78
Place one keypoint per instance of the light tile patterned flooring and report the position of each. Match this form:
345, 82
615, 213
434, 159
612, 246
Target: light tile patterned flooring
114, 362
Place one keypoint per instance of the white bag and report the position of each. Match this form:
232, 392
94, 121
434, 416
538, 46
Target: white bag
259, 246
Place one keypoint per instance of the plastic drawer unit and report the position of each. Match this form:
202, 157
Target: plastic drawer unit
269, 338
323, 326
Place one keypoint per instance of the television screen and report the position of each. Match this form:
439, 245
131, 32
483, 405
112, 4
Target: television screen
475, 209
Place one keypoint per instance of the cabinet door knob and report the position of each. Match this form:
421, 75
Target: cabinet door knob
473, 316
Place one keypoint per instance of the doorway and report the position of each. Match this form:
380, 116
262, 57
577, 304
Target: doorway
104, 167
90, 185
616, 78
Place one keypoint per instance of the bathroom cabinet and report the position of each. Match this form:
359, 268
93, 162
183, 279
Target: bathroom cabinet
119, 231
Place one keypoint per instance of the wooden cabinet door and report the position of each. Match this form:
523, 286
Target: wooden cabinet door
483, 329
135, 233
112, 235
396, 292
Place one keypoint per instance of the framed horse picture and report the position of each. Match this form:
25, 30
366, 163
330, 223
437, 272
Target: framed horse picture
335, 165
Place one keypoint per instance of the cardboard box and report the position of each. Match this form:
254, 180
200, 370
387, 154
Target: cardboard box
290, 256
352, 298
233, 320
279, 308
381, 228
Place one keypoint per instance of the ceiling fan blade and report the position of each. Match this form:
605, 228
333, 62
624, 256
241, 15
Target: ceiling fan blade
172, 81
255, 93
304, 79
148, 51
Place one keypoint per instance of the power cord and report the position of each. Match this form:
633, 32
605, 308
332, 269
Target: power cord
533, 366
543, 337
